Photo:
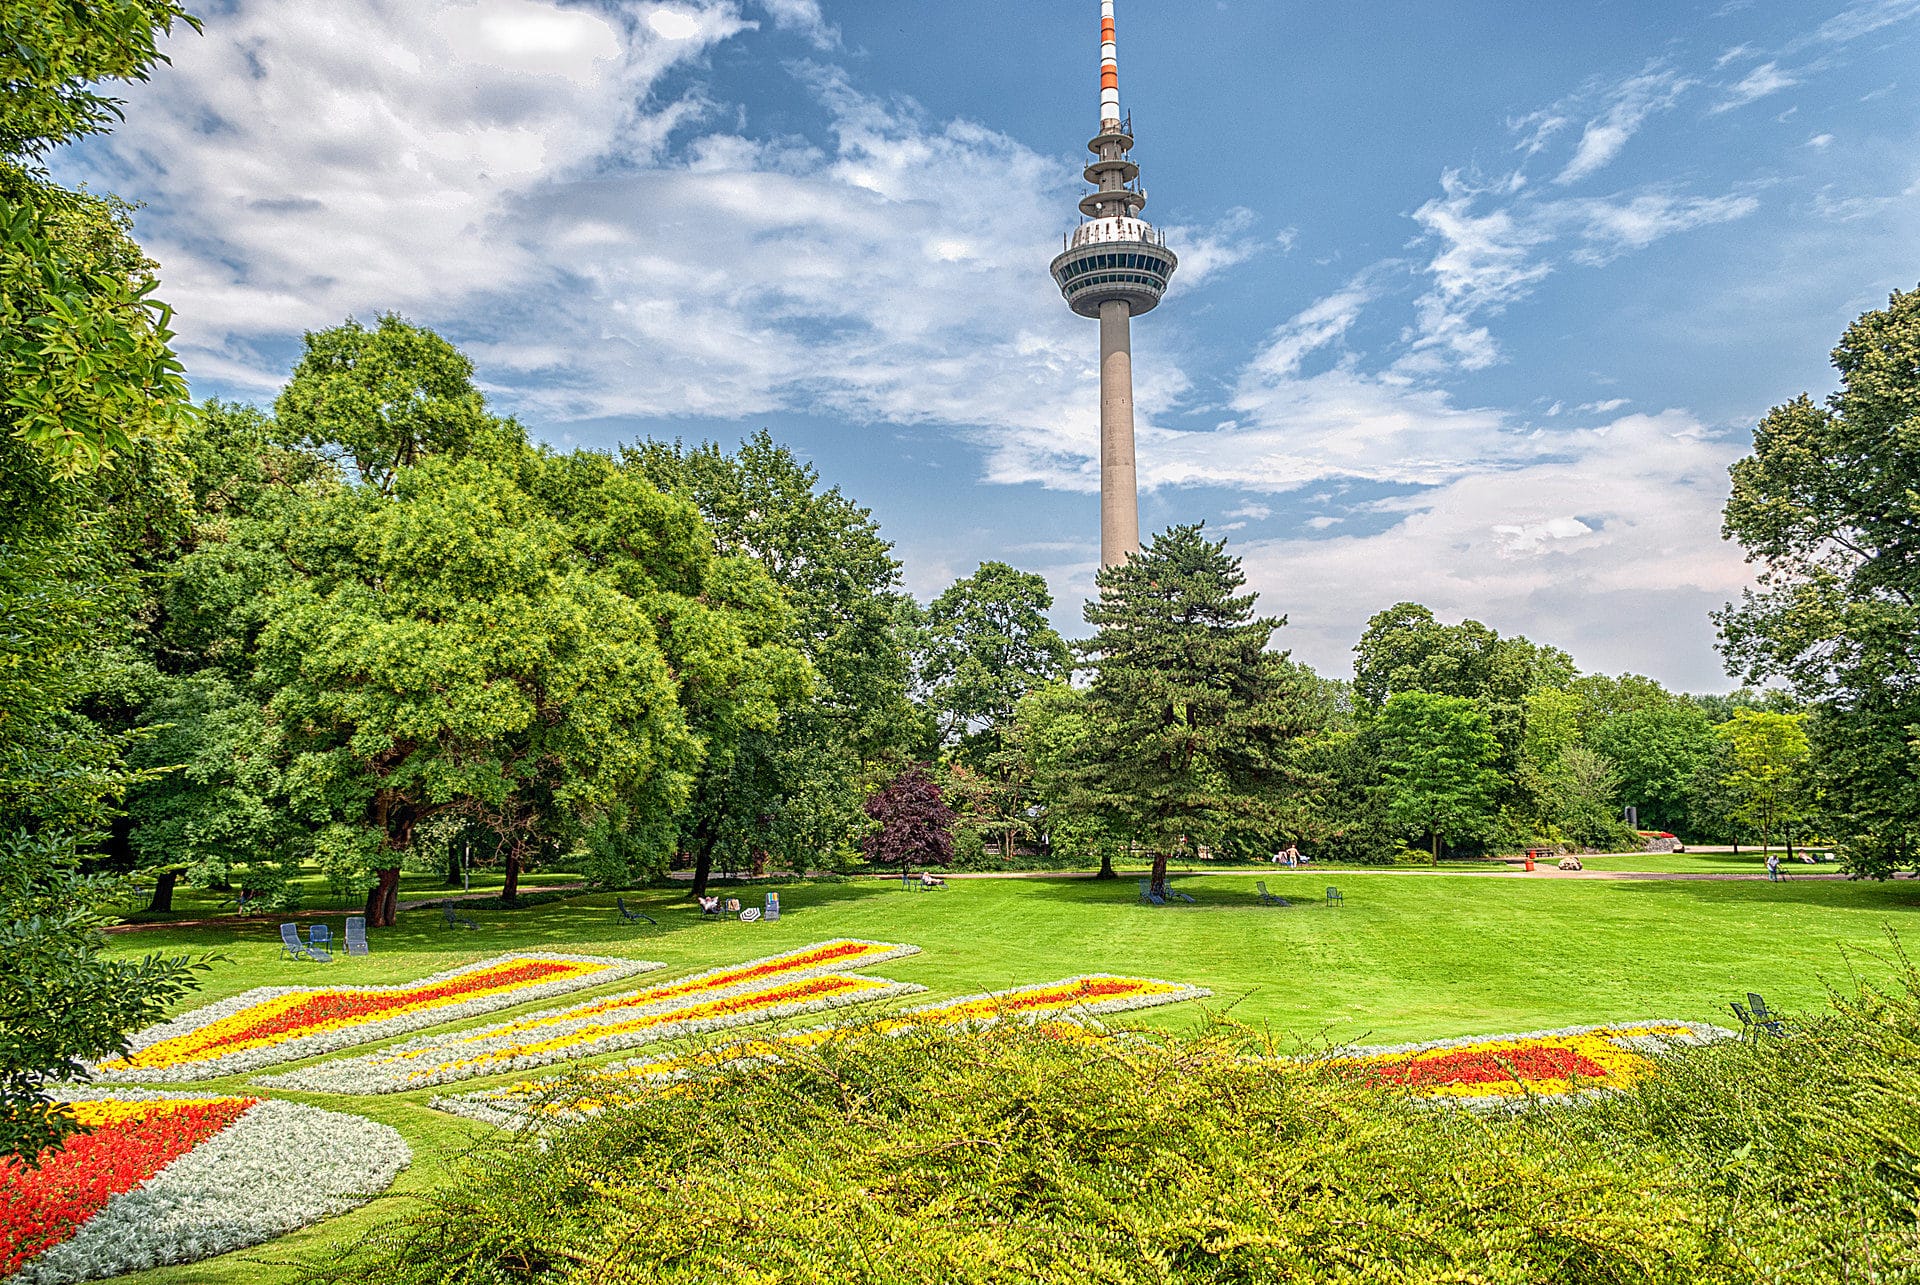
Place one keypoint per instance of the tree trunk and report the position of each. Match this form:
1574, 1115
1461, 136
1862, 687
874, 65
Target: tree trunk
1160, 871
383, 899
1436, 849
512, 889
1106, 863
162, 902
453, 868
705, 840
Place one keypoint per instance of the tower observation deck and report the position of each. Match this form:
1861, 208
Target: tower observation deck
1114, 267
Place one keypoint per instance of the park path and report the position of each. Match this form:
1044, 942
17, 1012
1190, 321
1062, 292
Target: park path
1540, 872
238, 921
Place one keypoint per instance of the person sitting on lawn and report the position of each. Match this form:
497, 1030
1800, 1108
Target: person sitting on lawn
928, 880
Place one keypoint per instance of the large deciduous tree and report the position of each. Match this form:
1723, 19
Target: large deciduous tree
1439, 754
1828, 509
795, 789
1191, 716
1766, 774
988, 643
445, 651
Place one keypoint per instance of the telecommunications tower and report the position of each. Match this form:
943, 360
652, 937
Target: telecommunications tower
1115, 266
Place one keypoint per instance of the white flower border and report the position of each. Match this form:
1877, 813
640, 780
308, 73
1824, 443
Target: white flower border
509, 1106
254, 1059
1694, 1035
390, 1071
279, 1167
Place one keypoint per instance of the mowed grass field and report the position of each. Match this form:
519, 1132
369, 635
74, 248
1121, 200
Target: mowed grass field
1408, 956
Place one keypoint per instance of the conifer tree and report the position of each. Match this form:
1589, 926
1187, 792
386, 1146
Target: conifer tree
1192, 716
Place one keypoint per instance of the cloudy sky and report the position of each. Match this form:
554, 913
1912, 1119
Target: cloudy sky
1477, 300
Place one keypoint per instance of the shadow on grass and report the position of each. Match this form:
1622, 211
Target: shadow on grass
1832, 894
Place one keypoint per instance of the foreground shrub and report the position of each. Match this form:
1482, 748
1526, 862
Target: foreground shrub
1009, 1155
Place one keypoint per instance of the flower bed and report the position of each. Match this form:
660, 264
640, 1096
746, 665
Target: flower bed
1063, 1001
274, 1024
174, 1178
810, 979
1503, 1070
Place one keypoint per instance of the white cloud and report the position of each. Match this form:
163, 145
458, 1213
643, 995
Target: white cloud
1630, 104
1588, 551
1865, 19
1255, 512
1763, 80
1820, 142
805, 17
1606, 407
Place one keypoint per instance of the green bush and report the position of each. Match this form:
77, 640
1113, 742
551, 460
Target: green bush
1012, 1156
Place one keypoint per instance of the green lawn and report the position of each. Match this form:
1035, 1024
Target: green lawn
1408, 956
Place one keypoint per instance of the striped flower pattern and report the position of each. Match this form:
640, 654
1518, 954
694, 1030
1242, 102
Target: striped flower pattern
174, 1178
275, 1024
1504, 1070
1066, 1001
811, 979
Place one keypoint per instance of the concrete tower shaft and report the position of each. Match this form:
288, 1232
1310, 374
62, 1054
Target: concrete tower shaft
1115, 266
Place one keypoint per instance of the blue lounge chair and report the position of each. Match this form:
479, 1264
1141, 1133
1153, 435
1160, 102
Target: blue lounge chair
1763, 1018
357, 935
291, 946
1267, 898
456, 921
319, 938
1148, 895
1334, 897
630, 916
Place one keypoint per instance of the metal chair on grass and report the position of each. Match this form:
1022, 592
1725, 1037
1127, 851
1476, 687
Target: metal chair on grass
1267, 898
632, 916
453, 920
291, 947
357, 935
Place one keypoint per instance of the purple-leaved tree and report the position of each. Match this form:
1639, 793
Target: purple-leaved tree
915, 822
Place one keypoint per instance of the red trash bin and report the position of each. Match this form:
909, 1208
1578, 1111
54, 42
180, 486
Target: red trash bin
1530, 852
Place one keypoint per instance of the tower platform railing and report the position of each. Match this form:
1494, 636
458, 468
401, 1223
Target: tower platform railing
1110, 231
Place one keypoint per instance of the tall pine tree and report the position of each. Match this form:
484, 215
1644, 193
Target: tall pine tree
1192, 717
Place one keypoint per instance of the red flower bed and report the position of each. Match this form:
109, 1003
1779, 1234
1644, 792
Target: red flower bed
1082, 993
42, 1206
1482, 1066
335, 1006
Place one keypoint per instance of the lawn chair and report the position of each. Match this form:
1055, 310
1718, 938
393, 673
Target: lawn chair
1174, 894
1267, 898
630, 916
1767, 1021
291, 946
1148, 895
1334, 897
456, 921
357, 935
319, 938
714, 911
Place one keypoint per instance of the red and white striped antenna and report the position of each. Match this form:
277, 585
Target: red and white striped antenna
1109, 69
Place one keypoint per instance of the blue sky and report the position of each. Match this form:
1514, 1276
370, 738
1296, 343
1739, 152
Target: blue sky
1477, 301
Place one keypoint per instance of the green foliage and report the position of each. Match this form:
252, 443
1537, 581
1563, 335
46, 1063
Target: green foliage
1349, 816
987, 644
1405, 649
210, 810
1657, 750
1827, 507
388, 398
797, 790
1013, 1154
1438, 753
445, 652
56, 58
1191, 717
62, 1001
1766, 774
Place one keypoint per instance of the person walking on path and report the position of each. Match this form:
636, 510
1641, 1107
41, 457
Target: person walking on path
1773, 867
